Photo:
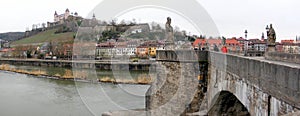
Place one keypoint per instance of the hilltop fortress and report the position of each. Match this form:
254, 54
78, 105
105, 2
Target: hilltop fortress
63, 18
70, 22
66, 22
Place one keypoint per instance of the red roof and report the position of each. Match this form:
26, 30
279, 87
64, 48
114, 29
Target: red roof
214, 41
231, 41
287, 41
7, 49
241, 39
199, 41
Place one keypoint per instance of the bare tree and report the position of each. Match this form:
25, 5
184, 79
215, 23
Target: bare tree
123, 22
44, 25
134, 21
33, 27
114, 21
176, 29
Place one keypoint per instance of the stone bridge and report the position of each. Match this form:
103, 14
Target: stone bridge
263, 87
234, 85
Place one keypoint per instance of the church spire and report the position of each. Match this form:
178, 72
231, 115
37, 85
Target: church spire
55, 13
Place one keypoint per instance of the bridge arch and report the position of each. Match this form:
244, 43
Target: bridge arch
226, 103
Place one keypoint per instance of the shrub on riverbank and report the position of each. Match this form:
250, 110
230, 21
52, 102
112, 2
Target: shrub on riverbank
144, 80
4, 67
68, 74
107, 79
79, 74
38, 72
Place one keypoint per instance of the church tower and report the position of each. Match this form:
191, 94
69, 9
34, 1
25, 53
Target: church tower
94, 21
263, 37
94, 16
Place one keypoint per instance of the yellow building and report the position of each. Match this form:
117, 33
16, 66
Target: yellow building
152, 52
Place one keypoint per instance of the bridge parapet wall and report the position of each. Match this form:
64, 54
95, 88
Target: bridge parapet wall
181, 55
278, 80
253, 80
287, 57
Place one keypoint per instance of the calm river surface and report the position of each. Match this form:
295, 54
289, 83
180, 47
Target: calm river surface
24, 95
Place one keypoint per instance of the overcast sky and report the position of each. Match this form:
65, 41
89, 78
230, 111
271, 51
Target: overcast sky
232, 17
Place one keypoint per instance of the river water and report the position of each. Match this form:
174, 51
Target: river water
25, 95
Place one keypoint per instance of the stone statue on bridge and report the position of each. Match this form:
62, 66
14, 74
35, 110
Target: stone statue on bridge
271, 36
169, 35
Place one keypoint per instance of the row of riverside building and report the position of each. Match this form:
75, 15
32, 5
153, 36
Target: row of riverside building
145, 49
132, 48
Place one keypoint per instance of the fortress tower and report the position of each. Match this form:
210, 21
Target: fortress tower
67, 13
62, 17
56, 18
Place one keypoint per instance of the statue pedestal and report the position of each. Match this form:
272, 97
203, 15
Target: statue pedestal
271, 48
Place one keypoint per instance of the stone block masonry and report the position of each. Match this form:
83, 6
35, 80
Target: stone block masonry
264, 87
175, 89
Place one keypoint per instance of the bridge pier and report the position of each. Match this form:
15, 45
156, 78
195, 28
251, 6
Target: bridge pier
176, 89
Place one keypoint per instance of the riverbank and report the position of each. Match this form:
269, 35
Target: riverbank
78, 75
84, 64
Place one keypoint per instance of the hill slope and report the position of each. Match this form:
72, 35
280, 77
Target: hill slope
46, 36
11, 36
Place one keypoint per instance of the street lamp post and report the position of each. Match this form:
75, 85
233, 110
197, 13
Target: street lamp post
245, 43
267, 29
246, 34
